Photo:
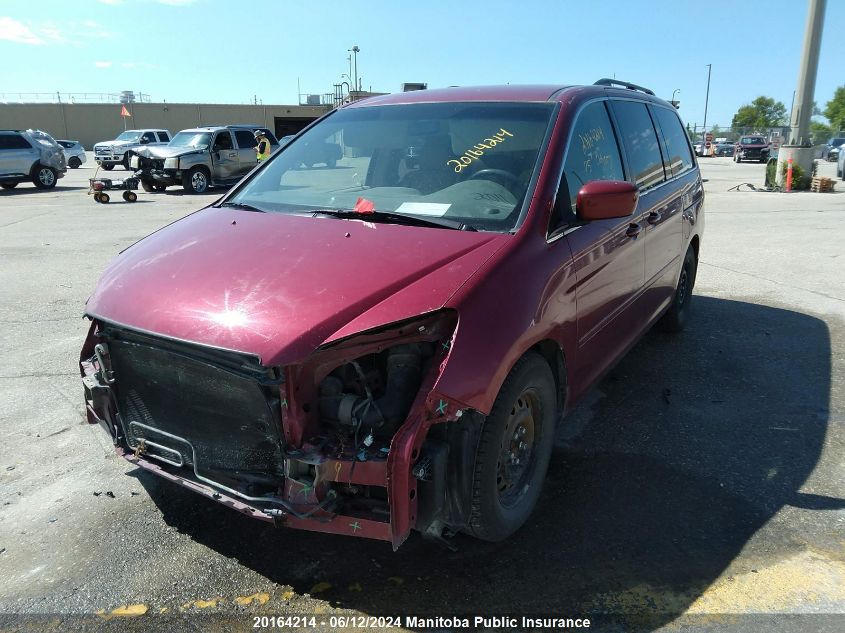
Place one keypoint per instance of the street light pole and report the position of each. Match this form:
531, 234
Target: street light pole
800, 132
355, 50
706, 102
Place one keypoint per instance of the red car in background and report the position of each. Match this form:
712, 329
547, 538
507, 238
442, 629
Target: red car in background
388, 343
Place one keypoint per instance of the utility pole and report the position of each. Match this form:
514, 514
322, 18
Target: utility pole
706, 102
799, 147
355, 50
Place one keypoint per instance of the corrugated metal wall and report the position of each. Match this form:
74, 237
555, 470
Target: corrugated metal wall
91, 123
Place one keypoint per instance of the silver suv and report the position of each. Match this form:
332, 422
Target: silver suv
200, 158
120, 150
30, 156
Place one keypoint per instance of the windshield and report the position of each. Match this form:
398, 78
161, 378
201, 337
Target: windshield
753, 140
837, 142
129, 136
468, 162
191, 139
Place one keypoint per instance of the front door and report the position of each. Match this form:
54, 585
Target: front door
608, 255
246, 150
224, 158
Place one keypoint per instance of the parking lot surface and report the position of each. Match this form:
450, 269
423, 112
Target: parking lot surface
701, 481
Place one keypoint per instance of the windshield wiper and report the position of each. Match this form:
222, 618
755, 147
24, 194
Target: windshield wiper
241, 205
396, 218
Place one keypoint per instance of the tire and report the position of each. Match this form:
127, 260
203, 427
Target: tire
9, 185
104, 198
195, 181
107, 166
676, 317
159, 187
44, 177
521, 427
332, 163
130, 196
74, 162
147, 186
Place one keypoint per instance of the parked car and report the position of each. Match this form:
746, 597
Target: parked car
751, 147
832, 148
389, 345
74, 153
200, 158
698, 147
725, 148
30, 156
108, 154
840, 164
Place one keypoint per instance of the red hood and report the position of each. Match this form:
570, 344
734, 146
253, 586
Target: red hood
277, 285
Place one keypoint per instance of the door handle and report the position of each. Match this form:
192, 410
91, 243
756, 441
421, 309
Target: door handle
232, 154
654, 217
633, 229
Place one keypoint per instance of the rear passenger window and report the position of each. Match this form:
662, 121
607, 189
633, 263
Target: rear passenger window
13, 141
592, 154
149, 137
640, 142
680, 158
245, 138
163, 137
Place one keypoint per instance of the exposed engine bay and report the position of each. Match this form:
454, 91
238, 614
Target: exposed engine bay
319, 445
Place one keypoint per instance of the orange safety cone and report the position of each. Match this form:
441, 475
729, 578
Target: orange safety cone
789, 173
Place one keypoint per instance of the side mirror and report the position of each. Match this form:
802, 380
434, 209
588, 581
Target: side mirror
606, 199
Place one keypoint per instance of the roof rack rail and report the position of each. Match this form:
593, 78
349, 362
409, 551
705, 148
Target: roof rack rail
625, 84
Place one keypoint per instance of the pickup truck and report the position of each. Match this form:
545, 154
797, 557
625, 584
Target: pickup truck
120, 150
199, 158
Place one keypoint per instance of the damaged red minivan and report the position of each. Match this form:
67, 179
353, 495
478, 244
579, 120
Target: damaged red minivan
386, 341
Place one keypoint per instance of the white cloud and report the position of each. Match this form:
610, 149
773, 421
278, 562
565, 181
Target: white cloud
14, 31
103, 64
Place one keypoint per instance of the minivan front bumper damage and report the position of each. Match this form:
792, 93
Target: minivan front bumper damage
275, 443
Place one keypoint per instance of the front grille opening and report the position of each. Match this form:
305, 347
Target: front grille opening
195, 414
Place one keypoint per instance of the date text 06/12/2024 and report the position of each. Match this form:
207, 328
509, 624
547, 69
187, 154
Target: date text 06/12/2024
428, 622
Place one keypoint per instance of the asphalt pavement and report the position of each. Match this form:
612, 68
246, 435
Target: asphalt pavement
700, 485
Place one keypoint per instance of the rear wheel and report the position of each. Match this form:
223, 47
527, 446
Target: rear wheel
514, 451
676, 317
44, 177
74, 162
195, 181
107, 166
130, 196
104, 198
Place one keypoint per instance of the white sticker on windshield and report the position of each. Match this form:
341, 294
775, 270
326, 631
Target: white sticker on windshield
435, 209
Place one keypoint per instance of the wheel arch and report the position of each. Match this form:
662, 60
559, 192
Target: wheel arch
552, 353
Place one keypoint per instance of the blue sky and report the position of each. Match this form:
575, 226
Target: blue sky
224, 51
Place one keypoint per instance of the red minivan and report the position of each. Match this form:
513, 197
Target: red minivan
387, 342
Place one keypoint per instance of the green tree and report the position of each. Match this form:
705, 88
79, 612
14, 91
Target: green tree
834, 110
760, 114
820, 132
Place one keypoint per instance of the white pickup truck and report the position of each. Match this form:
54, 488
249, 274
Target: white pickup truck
119, 151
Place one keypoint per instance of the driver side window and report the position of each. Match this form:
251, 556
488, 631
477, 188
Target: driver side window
592, 154
223, 141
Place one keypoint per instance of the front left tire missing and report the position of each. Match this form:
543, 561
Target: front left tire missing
514, 450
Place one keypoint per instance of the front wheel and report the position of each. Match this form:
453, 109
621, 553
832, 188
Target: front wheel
676, 317
514, 450
147, 186
195, 181
44, 177
74, 162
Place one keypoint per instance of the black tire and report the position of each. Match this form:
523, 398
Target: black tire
107, 166
521, 427
676, 317
97, 197
196, 180
74, 162
9, 185
130, 196
147, 186
104, 198
159, 187
125, 161
44, 177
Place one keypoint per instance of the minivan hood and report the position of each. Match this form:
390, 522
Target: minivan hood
278, 285
165, 151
